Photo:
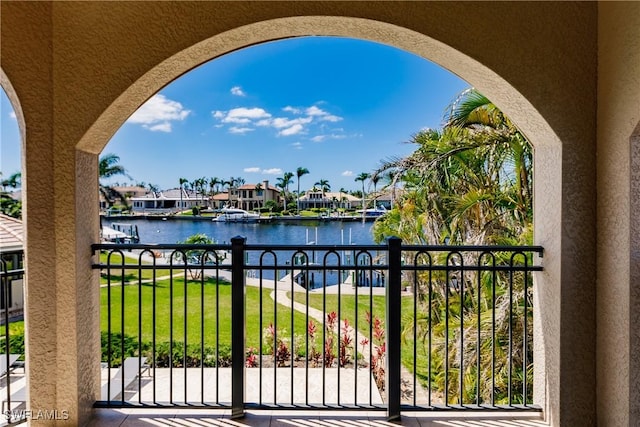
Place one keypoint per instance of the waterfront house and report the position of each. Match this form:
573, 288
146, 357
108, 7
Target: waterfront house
220, 200
386, 197
254, 196
124, 194
11, 258
247, 196
167, 201
315, 198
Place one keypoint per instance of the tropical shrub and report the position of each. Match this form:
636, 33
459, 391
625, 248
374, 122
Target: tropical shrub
469, 183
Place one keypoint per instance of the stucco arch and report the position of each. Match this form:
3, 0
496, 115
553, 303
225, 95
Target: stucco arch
15, 103
480, 76
548, 146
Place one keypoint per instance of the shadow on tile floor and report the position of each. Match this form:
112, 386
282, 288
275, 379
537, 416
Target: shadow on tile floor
217, 418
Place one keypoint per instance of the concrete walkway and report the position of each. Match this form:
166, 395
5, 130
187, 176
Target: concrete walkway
271, 386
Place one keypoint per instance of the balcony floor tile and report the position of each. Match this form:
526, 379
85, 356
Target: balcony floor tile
266, 418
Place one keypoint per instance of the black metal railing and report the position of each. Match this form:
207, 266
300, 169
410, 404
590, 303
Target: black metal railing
378, 326
12, 373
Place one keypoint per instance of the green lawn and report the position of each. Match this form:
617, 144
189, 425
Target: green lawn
131, 271
201, 302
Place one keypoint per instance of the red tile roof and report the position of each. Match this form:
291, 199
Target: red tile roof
253, 187
11, 233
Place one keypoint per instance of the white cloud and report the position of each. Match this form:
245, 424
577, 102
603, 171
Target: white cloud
322, 115
297, 145
330, 118
245, 115
315, 111
237, 120
245, 120
158, 112
347, 173
291, 109
283, 122
237, 91
161, 127
264, 122
12, 114
293, 130
272, 171
320, 138
239, 130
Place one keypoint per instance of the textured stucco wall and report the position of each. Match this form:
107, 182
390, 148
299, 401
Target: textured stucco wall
618, 219
79, 69
33, 22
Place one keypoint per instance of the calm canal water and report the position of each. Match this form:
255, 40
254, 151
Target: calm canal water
278, 233
275, 233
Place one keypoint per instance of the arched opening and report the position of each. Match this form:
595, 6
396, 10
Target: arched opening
292, 113
547, 144
12, 251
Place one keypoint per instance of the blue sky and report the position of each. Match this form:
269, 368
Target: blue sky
335, 106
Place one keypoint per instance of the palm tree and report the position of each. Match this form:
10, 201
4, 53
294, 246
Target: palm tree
284, 183
374, 180
154, 189
108, 167
194, 187
213, 184
182, 181
473, 111
13, 181
259, 192
196, 254
390, 182
8, 205
469, 183
238, 182
324, 186
342, 190
299, 173
203, 187
230, 183
362, 177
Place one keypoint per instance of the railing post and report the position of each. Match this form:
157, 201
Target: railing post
393, 322
237, 326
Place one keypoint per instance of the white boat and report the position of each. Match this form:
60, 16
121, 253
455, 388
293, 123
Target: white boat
373, 212
236, 215
120, 233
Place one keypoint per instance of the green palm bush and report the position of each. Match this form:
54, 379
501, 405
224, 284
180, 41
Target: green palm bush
468, 183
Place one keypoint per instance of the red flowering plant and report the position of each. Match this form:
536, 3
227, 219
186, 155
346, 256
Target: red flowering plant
346, 342
379, 349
